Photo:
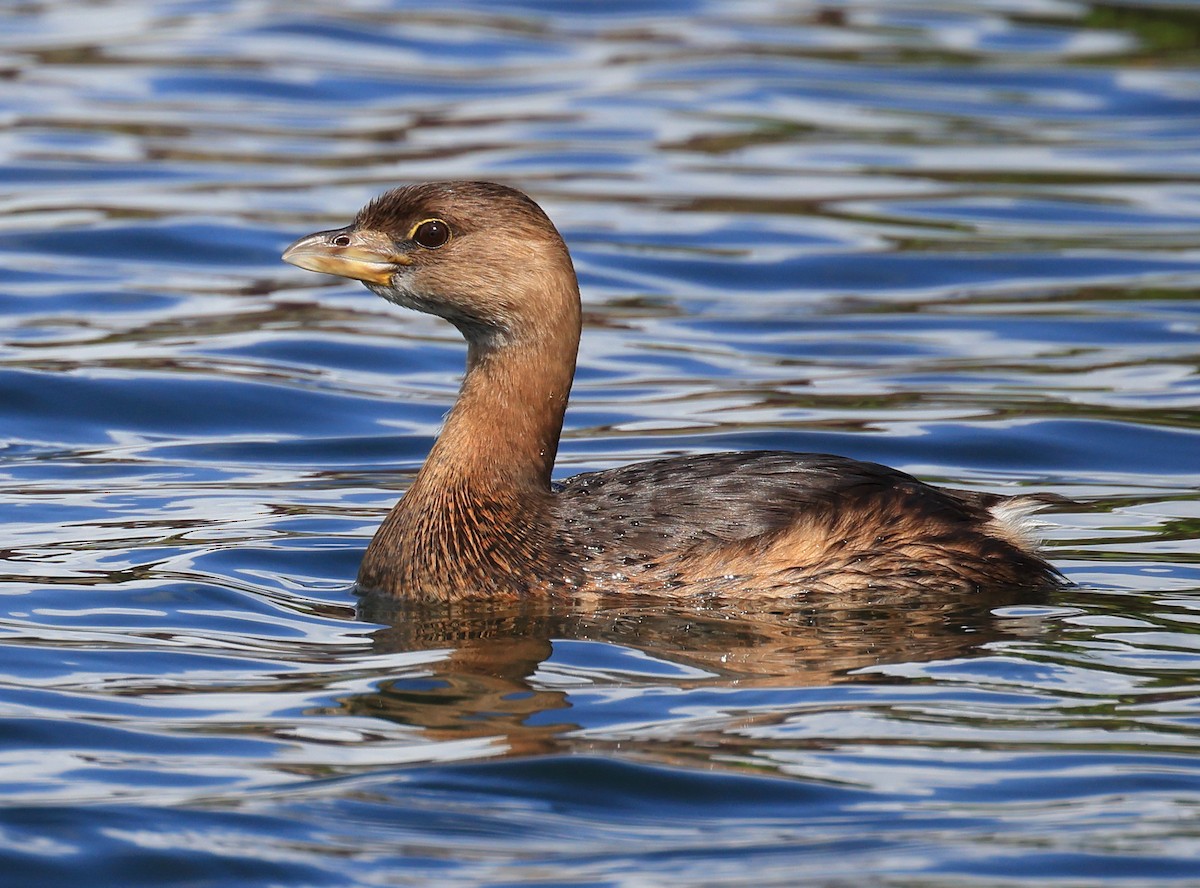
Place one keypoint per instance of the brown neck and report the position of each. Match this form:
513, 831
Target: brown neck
479, 514
503, 432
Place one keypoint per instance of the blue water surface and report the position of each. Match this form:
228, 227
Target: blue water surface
959, 238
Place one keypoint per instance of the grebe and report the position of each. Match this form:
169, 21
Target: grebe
483, 519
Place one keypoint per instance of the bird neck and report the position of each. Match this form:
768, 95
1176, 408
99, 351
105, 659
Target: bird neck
504, 429
479, 514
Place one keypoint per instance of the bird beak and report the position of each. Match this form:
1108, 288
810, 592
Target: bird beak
368, 256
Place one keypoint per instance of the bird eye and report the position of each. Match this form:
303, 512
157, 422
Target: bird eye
342, 240
431, 234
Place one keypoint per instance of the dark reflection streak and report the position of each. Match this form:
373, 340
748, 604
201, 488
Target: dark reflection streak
486, 686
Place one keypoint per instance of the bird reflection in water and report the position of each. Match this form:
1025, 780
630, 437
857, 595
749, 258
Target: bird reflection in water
497, 680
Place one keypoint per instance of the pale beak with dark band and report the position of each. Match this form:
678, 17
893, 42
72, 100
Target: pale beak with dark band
360, 255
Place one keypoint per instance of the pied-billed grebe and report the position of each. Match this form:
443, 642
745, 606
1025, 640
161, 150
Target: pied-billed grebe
482, 517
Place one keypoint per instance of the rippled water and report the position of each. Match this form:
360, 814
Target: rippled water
959, 238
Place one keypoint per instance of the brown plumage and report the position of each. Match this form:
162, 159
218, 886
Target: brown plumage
482, 518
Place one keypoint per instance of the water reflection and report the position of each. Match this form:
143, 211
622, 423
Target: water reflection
491, 681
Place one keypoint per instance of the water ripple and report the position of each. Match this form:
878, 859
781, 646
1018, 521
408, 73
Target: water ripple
953, 237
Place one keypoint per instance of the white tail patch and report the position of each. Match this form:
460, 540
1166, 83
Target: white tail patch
1013, 519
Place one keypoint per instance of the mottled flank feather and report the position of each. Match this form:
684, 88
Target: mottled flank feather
786, 524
